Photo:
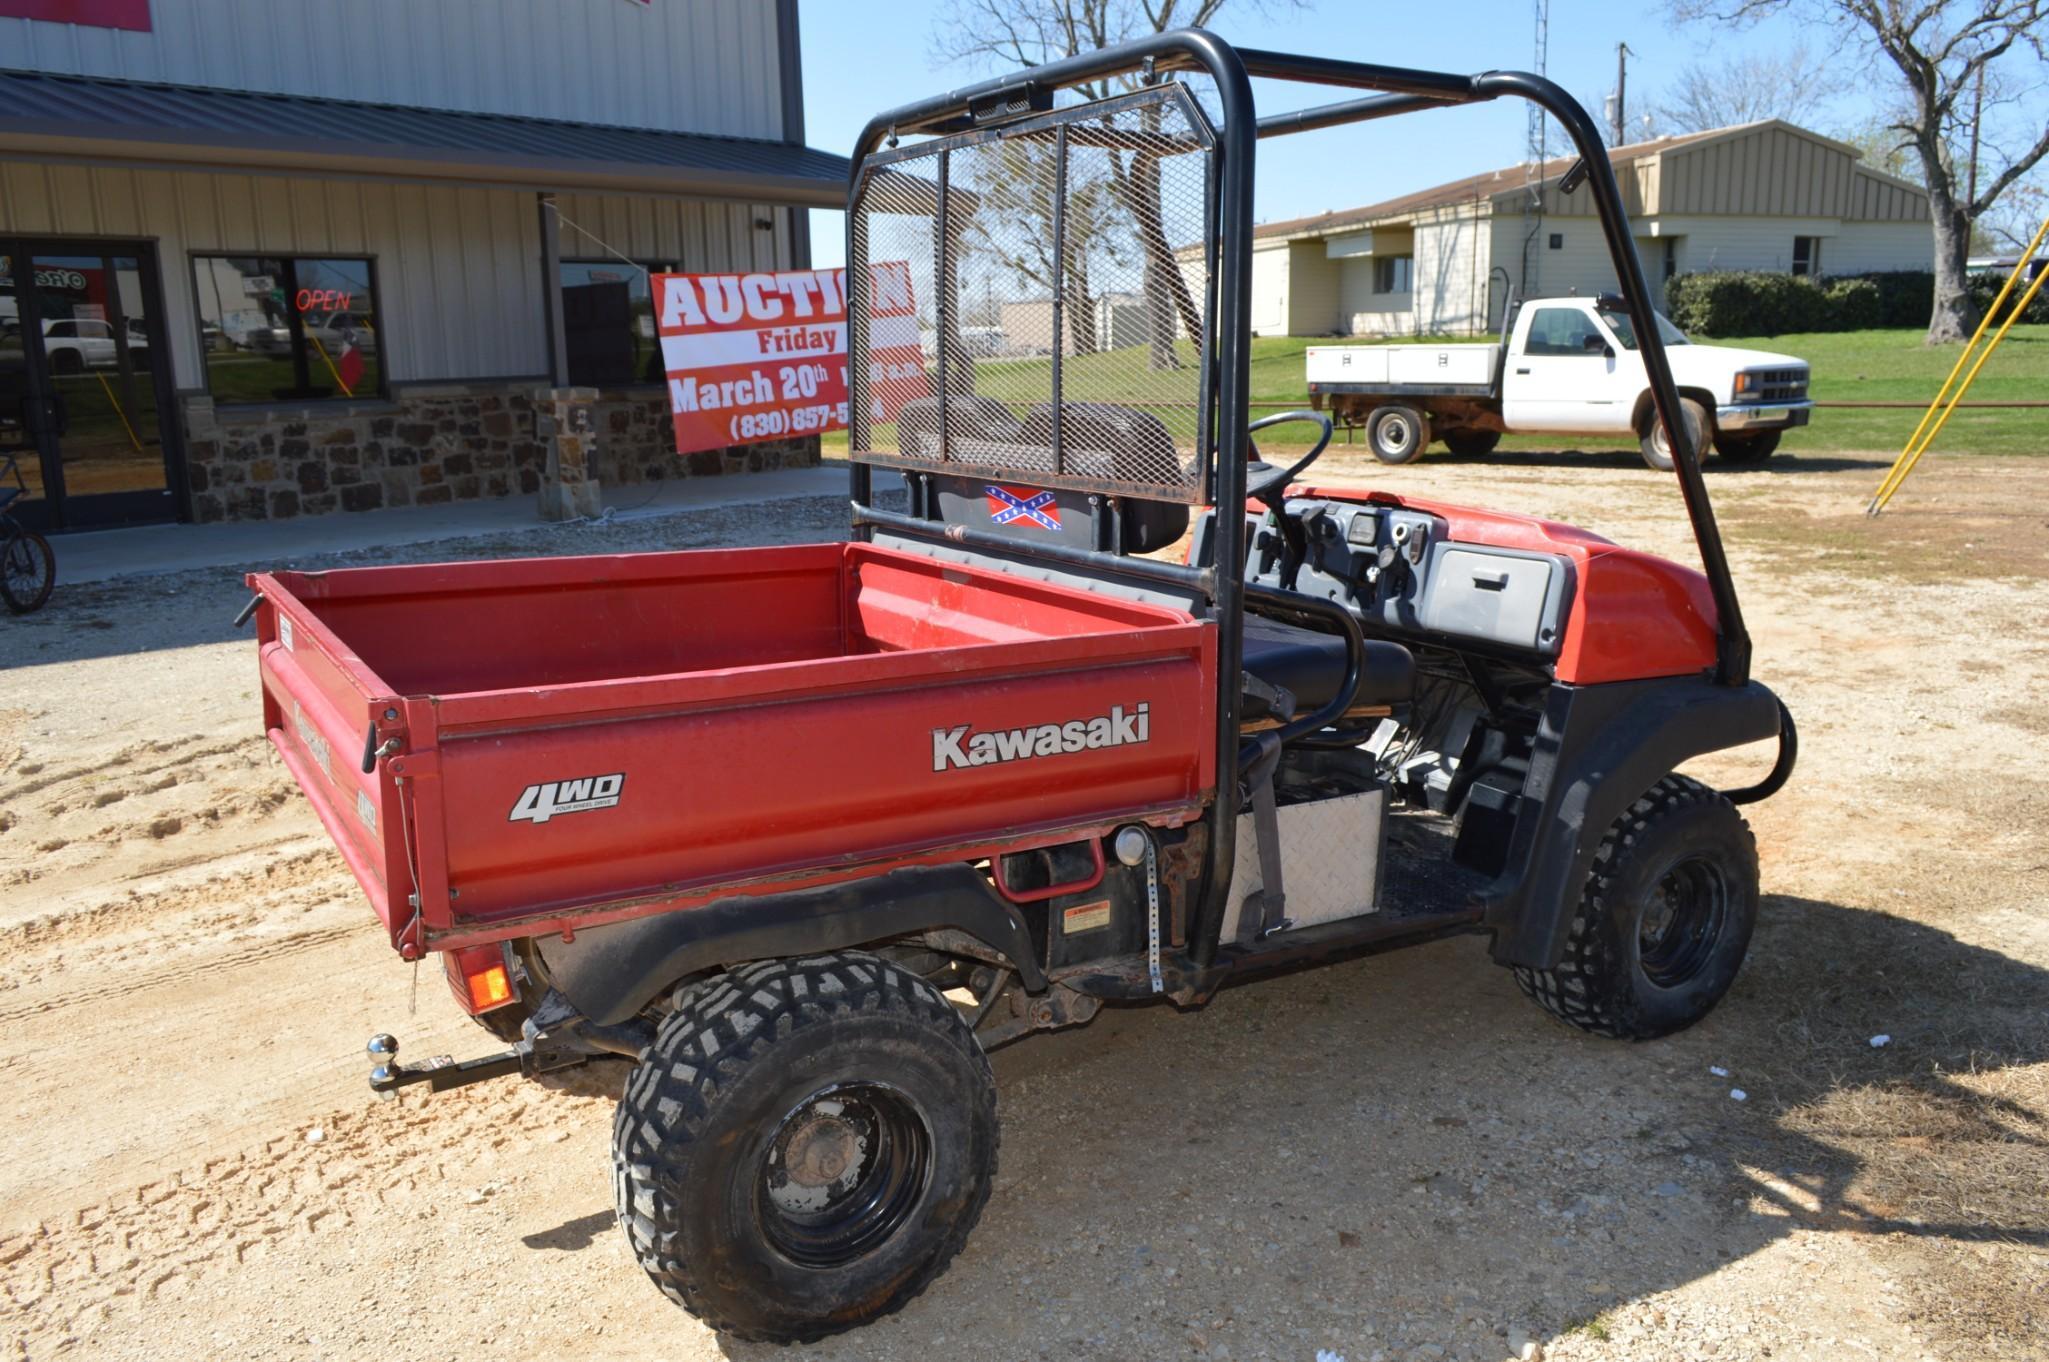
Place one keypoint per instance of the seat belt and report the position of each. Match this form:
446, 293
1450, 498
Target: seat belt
1265, 910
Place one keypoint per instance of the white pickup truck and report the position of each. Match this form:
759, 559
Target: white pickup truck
1565, 366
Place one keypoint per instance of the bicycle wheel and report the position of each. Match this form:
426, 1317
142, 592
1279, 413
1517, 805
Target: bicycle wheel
28, 571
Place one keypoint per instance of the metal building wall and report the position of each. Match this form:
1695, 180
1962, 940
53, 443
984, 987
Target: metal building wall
685, 65
458, 268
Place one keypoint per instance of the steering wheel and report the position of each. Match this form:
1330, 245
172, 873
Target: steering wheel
1273, 484
1270, 489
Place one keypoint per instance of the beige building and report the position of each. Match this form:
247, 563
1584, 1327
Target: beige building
271, 260
1761, 196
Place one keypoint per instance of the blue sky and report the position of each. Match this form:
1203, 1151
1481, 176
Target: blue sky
860, 57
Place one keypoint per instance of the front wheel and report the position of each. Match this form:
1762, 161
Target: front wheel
805, 1146
1397, 432
1754, 448
1656, 444
1664, 921
28, 571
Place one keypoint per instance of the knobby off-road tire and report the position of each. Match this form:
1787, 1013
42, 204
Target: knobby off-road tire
1397, 433
805, 1146
1657, 450
1665, 919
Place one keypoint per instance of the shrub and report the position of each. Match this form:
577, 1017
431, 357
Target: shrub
1854, 304
1985, 288
1905, 297
1746, 303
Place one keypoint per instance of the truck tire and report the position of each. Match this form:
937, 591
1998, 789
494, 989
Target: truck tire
1664, 921
1471, 444
1657, 450
1740, 449
805, 1146
1397, 432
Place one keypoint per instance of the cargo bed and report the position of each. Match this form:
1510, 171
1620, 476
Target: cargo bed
566, 741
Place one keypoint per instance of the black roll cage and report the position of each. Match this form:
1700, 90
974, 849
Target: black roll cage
1221, 579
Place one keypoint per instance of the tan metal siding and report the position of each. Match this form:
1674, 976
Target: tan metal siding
458, 268
687, 65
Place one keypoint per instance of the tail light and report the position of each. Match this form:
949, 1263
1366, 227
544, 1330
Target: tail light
480, 977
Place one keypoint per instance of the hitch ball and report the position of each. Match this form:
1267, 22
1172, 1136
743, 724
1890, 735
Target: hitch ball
1130, 845
383, 1046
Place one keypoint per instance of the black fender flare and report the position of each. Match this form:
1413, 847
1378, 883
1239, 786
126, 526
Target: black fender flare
612, 971
1598, 748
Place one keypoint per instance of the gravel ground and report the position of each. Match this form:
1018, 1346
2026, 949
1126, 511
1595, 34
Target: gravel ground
1392, 1158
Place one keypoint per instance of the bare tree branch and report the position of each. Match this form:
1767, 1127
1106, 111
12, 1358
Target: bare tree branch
1941, 50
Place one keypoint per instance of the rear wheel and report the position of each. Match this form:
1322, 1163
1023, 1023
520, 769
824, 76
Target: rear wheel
28, 570
1664, 921
1397, 432
805, 1146
1471, 444
1656, 445
1754, 448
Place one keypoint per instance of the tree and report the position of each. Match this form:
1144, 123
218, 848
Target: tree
1744, 90
1939, 48
1007, 34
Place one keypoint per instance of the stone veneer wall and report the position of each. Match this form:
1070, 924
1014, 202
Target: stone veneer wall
428, 445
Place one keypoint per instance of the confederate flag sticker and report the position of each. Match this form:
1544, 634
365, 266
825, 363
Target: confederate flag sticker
1022, 506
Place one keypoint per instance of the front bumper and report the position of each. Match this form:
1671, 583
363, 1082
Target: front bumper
1763, 415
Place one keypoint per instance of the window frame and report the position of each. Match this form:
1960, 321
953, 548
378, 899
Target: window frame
1395, 274
295, 326
651, 268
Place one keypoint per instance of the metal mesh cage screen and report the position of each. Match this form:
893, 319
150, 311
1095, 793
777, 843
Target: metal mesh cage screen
1040, 301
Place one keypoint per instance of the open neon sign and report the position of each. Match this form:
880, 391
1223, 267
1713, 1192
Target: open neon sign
323, 300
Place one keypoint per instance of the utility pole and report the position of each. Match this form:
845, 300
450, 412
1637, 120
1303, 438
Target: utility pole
1617, 130
1977, 116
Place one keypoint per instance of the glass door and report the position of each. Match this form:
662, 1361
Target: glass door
95, 375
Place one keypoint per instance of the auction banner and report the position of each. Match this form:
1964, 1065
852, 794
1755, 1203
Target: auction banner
764, 356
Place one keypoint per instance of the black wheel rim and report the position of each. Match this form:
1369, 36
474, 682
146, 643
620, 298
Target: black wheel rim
1681, 920
843, 1172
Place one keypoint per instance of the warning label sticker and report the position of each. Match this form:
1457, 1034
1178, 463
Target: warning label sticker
1085, 917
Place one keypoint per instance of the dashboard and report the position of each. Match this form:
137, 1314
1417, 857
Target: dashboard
1396, 568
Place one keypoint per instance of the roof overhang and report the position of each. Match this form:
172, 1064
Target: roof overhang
71, 117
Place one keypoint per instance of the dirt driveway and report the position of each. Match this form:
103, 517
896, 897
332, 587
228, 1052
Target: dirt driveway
1393, 1158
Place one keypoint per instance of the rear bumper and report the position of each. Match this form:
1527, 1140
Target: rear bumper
1763, 415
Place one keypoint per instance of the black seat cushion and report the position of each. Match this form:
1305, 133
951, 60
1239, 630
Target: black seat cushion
1311, 664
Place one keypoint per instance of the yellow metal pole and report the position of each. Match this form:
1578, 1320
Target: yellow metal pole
347, 391
1897, 472
132, 439
1965, 386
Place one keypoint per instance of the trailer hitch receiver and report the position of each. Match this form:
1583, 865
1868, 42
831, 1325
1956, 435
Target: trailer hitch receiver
441, 1072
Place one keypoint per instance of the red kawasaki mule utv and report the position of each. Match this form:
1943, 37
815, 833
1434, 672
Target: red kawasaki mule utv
803, 832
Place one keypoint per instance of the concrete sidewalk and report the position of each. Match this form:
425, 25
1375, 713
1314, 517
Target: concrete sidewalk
102, 555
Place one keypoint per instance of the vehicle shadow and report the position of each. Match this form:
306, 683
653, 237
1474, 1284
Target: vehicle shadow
1400, 1151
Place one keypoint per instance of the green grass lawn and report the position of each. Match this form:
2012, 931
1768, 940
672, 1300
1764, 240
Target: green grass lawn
1885, 366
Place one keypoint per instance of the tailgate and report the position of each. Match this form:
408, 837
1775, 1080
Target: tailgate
319, 702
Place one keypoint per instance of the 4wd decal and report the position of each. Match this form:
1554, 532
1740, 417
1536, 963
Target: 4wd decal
961, 746
539, 803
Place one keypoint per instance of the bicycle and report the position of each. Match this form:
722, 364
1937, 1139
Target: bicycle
28, 565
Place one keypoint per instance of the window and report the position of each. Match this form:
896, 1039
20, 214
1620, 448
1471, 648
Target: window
288, 328
1807, 256
1625, 330
1393, 273
608, 322
1557, 241
1563, 331
1671, 256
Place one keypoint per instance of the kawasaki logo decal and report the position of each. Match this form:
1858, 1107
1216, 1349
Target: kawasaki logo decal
539, 803
957, 747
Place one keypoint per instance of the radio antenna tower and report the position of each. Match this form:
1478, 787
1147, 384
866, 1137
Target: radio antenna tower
1533, 158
